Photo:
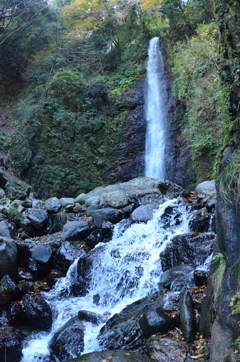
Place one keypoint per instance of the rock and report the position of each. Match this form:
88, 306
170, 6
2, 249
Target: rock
177, 277
8, 257
94, 318
201, 277
187, 316
4, 230
206, 188
190, 248
11, 341
37, 311
65, 201
66, 254
108, 214
42, 253
140, 186
117, 355
211, 204
166, 350
99, 236
156, 321
78, 207
68, 340
8, 284
81, 199
143, 213
58, 221
53, 205
123, 331
15, 314
38, 218
92, 201
200, 221
116, 199
75, 230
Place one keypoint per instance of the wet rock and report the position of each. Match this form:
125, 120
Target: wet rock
211, 204
5, 297
94, 318
68, 340
117, 355
123, 330
38, 219
42, 253
156, 321
206, 188
3, 179
37, 311
187, 316
10, 344
143, 213
8, 257
177, 277
8, 285
4, 230
107, 214
99, 235
201, 277
53, 204
58, 222
165, 349
200, 221
66, 254
190, 248
75, 230
170, 217
116, 199
15, 314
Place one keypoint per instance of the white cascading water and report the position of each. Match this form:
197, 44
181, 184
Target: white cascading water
127, 268
156, 112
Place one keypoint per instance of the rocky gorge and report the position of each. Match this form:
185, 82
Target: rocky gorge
41, 239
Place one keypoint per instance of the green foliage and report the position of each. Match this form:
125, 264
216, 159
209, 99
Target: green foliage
197, 83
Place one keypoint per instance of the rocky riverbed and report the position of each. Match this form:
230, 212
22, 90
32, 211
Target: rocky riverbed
39, 240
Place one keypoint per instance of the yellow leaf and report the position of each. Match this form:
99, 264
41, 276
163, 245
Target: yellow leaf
128, 354
198, 356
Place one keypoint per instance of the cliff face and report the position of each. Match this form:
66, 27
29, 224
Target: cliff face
225, 327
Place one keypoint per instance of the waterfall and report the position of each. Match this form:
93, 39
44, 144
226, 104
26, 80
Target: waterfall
124, 270
156, 112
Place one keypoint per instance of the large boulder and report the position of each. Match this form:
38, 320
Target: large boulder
156, 321
190, 248
177, 277
37, 311
8, 257
53, 204
123, 331
140, 186
106, 214
75, 230
206, 188
4, 230
42, 253
143, 213
68, 340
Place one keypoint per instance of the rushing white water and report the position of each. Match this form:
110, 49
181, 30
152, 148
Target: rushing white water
156, 112
124, 270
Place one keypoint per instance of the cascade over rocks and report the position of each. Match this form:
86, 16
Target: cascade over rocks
42, 261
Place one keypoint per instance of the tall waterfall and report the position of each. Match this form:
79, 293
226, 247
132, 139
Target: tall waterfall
156, 112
